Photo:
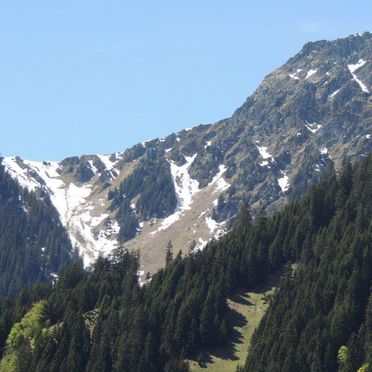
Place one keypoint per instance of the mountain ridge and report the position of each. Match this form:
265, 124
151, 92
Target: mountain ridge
305, 117
101, 319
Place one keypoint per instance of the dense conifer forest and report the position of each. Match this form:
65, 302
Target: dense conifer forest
33, 244
101, 319
151, 184
321, 316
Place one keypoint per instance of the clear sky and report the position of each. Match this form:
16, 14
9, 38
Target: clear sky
89, 76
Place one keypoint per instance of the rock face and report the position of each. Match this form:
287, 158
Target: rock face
305, 117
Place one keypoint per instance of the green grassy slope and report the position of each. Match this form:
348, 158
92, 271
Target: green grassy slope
246, 310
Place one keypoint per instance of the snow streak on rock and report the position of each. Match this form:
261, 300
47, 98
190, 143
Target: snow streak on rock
109, 164
185, 186
16, 169
310, 73
294, 75
333, 94
353, 68
218, 181
265, 155
216, 229
312, 127
71, 203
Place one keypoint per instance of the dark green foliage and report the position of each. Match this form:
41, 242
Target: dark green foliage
102, 320
33, 244
84, 172
244, 216
169, 253
320, 310
127, 220
151, 184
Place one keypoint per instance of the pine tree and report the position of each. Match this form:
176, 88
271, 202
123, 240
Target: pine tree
169, 253
244, 217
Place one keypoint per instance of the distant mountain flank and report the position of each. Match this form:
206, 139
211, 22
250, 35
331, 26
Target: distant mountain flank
34, 246
305, 118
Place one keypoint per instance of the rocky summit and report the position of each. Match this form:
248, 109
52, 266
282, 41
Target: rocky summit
305, 118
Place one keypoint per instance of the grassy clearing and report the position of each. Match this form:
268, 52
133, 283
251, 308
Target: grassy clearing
246, 311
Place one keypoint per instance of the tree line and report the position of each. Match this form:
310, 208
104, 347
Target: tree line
101, 319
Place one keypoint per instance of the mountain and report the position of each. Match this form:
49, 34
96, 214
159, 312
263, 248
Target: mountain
34, 246
101, 319
320, 318
304, 119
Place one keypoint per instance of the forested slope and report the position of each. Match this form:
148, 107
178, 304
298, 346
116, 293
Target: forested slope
102, 320
326, 302
33, 244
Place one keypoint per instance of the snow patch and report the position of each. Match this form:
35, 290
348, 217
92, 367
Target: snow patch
368, 136
110, 165
70, 202
333, 94
95, 221
312, 127
317, 168
54, 185
216, 229
20, 174
353, 68
92, 167
264, 153
294, 75
323, 151
310, 73
219, 181
284, 182
185, 186
80, 223
200, 245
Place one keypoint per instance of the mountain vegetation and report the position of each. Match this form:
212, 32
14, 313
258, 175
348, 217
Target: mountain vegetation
323, 307
151, 184
101, 319
33, 243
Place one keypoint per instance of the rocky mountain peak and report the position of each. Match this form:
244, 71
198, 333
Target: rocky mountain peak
305, 117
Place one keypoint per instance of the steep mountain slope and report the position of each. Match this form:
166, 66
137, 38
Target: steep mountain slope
33, 243
320, 318
304, 118
102, 320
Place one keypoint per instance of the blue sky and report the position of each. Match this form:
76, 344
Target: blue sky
88, 76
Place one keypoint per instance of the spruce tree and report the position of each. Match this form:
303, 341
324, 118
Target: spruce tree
169, 253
